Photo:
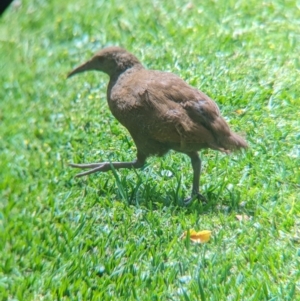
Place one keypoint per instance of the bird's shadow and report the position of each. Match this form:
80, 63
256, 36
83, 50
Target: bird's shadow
146, 191
151, 197
215, 201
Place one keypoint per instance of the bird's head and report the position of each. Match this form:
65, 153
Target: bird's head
110, 60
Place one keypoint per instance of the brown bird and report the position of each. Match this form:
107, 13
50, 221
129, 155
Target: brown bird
161, 112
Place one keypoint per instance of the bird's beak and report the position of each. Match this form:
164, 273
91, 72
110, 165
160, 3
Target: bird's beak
84, 67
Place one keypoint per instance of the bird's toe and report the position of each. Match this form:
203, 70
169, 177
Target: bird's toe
191, 199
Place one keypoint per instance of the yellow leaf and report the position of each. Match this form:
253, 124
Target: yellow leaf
198, 237
240, 111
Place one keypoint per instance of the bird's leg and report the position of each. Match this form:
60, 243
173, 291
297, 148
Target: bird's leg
106, 166
196, 164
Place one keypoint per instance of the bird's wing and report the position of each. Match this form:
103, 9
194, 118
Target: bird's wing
182, 114
166, 110
199, 108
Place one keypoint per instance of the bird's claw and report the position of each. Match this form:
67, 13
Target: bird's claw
92, 168
191, 199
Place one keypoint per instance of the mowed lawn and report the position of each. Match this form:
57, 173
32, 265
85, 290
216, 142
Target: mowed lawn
116, 235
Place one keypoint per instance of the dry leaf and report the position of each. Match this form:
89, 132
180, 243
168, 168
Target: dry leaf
240, 111
198, 237
242, 217
190, 5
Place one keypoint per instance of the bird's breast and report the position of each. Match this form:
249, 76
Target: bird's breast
124, 106
123, 96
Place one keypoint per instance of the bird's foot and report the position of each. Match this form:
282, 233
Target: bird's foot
105, 166
191, 199
93, 167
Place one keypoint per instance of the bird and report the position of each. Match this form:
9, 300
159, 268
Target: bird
161, 112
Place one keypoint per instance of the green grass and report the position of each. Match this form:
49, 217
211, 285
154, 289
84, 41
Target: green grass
116, 236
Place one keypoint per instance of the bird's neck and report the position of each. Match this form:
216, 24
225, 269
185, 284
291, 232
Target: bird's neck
117, 79
119, 72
